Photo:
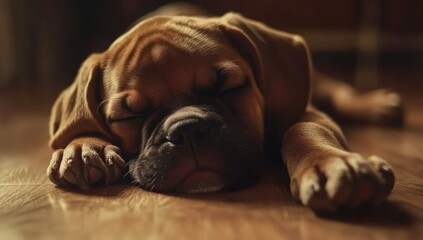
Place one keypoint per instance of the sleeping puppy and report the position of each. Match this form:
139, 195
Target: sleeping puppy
192, 104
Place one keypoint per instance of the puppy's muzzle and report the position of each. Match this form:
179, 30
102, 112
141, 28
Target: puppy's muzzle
192, 135
195, 149
186, 152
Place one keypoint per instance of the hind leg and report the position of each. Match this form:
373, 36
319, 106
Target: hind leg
383, 107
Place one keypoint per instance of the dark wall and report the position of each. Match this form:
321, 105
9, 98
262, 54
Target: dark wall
43, 42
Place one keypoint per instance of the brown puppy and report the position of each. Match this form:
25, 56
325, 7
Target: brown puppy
190, 104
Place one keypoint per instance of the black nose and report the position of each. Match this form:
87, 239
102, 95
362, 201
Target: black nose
191, 129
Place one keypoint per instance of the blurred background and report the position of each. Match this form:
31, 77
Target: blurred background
371, 43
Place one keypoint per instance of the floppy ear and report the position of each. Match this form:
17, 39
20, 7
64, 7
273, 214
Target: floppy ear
74, 114
281, 64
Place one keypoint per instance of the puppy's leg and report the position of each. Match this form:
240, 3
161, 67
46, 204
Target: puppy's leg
324, 174
86, 161
378, 107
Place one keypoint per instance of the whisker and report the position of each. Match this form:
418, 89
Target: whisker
100, 105
103, 102
126, 174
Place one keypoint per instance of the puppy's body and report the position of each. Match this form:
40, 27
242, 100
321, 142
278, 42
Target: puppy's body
190, 104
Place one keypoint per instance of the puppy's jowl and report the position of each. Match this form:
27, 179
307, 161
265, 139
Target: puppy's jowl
188, 104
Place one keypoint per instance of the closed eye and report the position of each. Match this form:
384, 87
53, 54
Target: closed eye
123, 113
120, 120
116, 119
234, 90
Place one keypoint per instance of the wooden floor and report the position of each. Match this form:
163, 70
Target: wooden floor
32, 208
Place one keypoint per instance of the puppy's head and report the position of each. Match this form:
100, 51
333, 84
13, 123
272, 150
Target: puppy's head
188, 99
184, 103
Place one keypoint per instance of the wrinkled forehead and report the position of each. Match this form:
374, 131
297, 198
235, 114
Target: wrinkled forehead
162, 45
156, 38
188, 31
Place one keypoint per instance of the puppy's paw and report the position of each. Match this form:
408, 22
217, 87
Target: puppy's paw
344, 182
383, 107
83, 164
